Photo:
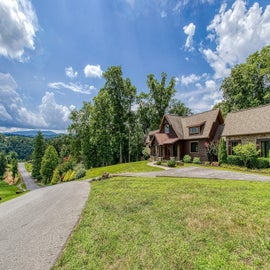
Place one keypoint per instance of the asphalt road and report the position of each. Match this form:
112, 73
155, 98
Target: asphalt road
28, 180
35, 227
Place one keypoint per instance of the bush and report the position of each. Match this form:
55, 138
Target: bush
196, 160
187, 159
246, 152
171, 163
234, 160
56, 177
262, 163
80, 173
158, 162
67, 176
222, 152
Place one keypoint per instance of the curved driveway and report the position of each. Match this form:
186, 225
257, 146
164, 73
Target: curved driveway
27, 179
35, 227
200, 172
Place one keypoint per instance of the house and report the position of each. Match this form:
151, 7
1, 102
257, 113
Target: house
250, 125
179, 136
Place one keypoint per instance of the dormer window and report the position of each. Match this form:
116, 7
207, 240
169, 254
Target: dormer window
167, 128
194, 130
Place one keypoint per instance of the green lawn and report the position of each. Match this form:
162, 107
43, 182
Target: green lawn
7, 192
172, 223
139, 166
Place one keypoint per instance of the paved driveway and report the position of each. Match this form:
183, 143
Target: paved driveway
26, 176
200, 172
35, 227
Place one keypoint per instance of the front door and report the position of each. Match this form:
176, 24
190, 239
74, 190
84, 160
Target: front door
167, 152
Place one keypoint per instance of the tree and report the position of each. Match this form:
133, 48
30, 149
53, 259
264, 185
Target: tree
56, 177
222, 152
159, 97
13, 160
39, 149
246, 152
177, 107
48, 164
3, 164
248, 84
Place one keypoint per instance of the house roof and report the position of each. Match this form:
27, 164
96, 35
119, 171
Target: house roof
204, 120
245, 122
163, 138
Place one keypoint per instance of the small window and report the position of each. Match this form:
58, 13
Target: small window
265, 148
194, 147
167, 129
193, 130
233, 145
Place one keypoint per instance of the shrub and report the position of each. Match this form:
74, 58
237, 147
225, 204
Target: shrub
80, 173
262, 163
234, 160
222, 152
158, 162
56, 177
211, 151
171, 163
187, 159
196, 160
145, 153
246, 152
67, 176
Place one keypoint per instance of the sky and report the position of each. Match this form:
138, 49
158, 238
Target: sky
53, 53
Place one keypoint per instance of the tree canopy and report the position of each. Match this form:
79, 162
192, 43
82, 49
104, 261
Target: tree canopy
248, 84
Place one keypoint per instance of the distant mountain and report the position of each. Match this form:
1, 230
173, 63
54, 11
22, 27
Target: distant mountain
31, 133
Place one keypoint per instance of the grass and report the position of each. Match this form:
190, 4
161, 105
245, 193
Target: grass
172, 223
139, 166
7, 192
28, 166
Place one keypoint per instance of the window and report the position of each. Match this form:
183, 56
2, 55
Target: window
193, 130
194, 147
265, 148
167, 129
231, 145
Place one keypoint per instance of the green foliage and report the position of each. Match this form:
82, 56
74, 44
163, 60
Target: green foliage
8, 192
246, 152
196, 160
38, 152
69, 176
222, 152
3, 164
80, 173
260, 163
171, 163
234, 160
248, 84
48, 164
158, 162
56, 177
187, 159
177, 107
211, 151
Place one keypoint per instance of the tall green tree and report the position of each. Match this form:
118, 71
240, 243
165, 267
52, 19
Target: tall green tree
177, 107
3, 164
38, 152
222, 152
48, 164
248, 84
160, 96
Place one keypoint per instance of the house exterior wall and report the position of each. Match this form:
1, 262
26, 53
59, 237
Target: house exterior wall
244, 139
201, 149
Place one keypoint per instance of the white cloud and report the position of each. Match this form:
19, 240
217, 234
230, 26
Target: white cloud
192, 78
93, 71
189, 30
13, 113
71, 73
18, 26
56, 116
163, 14
237, 32
75, 87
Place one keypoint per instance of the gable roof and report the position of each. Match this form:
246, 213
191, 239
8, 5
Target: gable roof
246, 122
181, 124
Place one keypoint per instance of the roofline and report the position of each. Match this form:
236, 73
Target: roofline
251, 108
245, 134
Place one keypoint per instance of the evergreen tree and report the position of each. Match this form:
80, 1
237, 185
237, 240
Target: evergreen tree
39, 149
48, 164
222, 152
3, 164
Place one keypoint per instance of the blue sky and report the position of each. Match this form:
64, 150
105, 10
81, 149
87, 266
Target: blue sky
53, 52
